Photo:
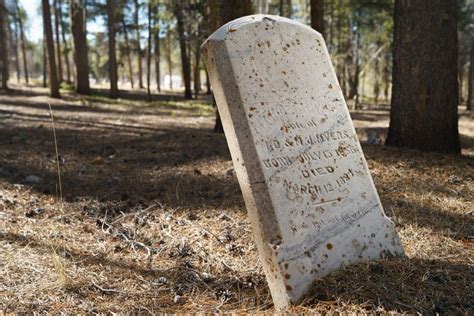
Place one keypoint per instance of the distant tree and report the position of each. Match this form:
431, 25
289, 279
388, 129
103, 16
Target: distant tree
466, 50
285, 8
423, 113
148, 56
156, 39
127, 44
168, 54
470, 81
21, 17
45, 62
58, 41
111, 25
138, 46
185, 63
53, 79
197, 63
3, 45
65, 42
14, 42
81, 60
317, 15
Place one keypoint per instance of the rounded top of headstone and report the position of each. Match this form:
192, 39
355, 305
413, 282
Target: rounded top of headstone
233, 27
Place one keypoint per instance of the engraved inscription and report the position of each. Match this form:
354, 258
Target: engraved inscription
301, 169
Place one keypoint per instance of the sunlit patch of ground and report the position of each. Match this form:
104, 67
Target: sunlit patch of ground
152, 218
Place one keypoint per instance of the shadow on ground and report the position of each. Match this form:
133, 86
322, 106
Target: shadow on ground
403, 285
133, 164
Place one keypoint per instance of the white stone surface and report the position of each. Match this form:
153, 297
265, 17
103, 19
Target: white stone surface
305, 181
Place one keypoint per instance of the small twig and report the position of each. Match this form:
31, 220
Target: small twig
104, 289
176, 190
104, 222
57, 153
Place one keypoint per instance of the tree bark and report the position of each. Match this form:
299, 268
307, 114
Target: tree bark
114, 93
317, 16
470, 79
127, 50
58, 41
424, 114
63, 35
3, 46
53, 79
23, 42
185, 64
81, 60
139, 50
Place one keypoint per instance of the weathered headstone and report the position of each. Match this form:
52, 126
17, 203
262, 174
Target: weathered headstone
306, 184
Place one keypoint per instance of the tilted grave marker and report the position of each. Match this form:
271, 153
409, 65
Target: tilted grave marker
307, 188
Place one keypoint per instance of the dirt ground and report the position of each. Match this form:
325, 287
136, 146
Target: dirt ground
152, 218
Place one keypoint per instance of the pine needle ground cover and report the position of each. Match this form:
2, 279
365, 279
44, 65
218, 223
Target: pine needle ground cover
152, 218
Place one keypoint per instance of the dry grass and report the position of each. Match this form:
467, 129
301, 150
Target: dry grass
153, 220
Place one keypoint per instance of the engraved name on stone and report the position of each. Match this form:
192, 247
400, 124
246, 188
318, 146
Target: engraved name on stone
306, 184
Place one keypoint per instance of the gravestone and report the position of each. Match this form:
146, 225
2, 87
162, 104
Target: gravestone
306, 185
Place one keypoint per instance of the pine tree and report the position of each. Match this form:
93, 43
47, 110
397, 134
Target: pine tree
425, 89
48, 31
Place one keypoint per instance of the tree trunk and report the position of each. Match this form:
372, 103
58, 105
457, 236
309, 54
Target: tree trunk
58, 41
221, 12
197, 63
15, 47
460, 83
3, 46
114, 93
208, 84
45, 62
63, 35
197, 70
53, 79
23, 42
139, 50
317, 16
376, 87
281, 9
81, 60
330, 35
289, 9
424, 114
127, 50
156, 36
386, 74
169, 60
470, 79
354, 67
186, 67
148, 56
